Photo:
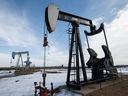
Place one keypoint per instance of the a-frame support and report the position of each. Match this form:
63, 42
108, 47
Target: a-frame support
77, 46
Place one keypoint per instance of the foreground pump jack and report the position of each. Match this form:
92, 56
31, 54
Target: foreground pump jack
52, 14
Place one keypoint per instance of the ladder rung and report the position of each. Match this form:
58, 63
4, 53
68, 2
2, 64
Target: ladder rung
73, 69
73, 74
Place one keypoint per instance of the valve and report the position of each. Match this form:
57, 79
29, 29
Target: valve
45, 41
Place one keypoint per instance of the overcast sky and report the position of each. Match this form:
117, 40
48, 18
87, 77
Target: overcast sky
22, 21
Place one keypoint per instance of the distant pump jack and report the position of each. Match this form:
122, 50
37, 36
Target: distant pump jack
19, 54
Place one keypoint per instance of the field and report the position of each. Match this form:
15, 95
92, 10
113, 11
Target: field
24, 85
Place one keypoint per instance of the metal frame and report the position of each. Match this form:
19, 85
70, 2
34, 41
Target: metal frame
76, 42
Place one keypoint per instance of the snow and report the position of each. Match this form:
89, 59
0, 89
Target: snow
6, 73
24, 85
67, 93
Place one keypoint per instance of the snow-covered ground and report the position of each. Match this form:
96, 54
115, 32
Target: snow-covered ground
123, 70
6, 73
23, 85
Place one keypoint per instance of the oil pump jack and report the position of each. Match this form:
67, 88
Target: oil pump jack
28, 62
52, 14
